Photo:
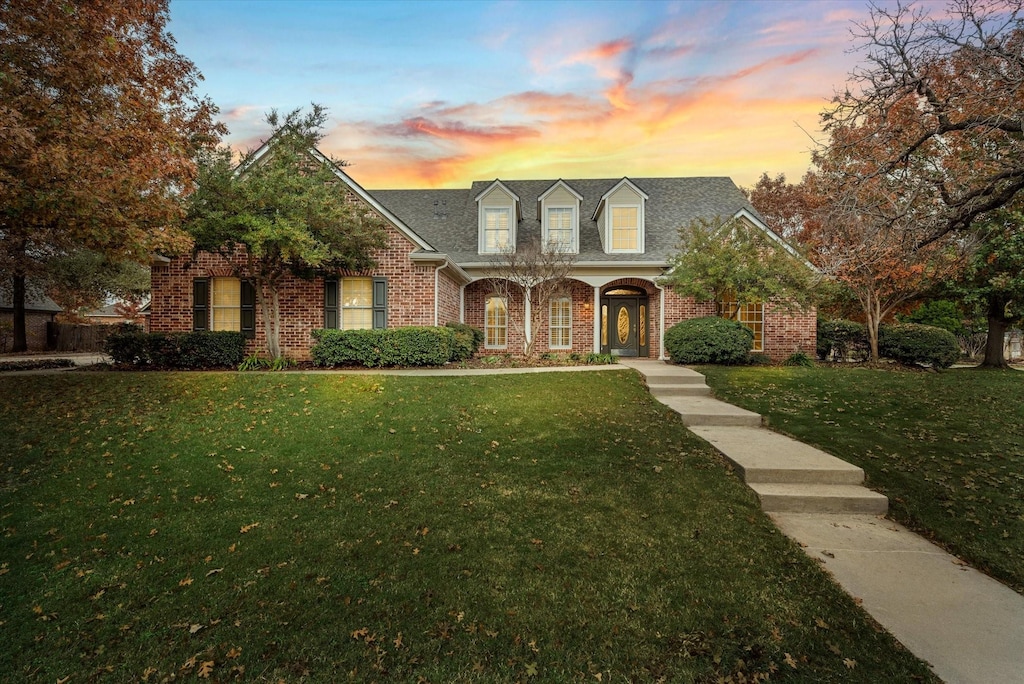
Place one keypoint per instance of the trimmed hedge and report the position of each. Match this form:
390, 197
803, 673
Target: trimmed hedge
411, 346
709, 340
200, 349
839, 338
467, 340
912, 343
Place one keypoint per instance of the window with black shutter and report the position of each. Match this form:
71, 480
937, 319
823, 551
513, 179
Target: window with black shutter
200, 304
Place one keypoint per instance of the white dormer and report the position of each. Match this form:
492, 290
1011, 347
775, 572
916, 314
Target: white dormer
559, 212
498, 210
620, 216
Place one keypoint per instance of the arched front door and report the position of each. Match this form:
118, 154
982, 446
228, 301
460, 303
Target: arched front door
624, 322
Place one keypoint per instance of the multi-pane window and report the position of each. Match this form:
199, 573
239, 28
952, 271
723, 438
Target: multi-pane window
356, 297
750, 315
226, 304
496, 229
559, 229
625, 228
560, 323
496, 323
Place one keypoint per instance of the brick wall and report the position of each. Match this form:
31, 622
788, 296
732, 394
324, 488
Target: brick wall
35, 330
410, 295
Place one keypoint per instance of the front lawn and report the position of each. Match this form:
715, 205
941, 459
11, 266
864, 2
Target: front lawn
947, 448
327, 527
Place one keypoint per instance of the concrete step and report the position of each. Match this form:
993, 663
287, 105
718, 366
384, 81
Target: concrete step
679, 390
697, 410
818, 498
675, 376
764, 456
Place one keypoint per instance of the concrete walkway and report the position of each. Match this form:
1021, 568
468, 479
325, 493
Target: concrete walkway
969, 627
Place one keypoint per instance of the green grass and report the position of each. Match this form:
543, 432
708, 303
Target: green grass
947, 448
323, 527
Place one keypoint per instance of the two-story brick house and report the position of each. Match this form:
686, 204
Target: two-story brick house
441, 249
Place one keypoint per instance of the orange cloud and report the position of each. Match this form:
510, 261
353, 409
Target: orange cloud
602, 51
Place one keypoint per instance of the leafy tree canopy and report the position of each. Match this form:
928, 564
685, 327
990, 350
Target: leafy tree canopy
286, 209
720, 256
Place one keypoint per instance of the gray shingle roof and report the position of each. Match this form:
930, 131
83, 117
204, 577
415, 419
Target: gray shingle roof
34, 301
447, 219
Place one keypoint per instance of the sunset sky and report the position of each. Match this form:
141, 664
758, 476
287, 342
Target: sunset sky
425, 94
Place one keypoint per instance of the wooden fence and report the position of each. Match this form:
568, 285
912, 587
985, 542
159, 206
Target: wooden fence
77, 337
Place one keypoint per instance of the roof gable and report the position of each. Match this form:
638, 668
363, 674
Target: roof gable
360, 192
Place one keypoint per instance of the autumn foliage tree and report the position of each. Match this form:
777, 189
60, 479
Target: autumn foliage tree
99, 126
285, 209
939, 102
789, 208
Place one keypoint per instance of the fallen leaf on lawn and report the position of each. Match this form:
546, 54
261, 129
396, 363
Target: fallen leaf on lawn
214, 571
531, 669
302, 496
850, 663
234, 653
185, 582
398, 640
821, 623
194, 628
789, 661
206, 669
98, 595
231, 549
360, 633
250, 526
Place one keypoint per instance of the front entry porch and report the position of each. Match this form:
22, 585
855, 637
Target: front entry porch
624, 322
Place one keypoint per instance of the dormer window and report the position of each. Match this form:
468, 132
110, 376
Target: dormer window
496, 230
559, 210
620, 213
499, 213
625, 229
558, 233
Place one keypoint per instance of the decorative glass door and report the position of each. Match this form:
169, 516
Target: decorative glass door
624, 324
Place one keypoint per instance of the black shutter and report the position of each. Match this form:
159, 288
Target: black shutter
331, 304
248, 317
200, 304
380, 303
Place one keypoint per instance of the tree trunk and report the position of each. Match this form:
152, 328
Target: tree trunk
997, 324
18, 295
275, 312
873, 318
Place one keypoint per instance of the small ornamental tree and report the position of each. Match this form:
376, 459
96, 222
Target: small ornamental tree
286, 210
536, 273
721, 257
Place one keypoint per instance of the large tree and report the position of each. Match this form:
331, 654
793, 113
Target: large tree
285, 209
99, 125
789, 208
993, 280
938, 108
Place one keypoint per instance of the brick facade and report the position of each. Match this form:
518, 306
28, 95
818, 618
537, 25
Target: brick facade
410, 295
35, 329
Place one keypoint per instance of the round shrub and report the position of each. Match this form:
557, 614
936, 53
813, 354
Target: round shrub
911, 343
838, 339
709, 340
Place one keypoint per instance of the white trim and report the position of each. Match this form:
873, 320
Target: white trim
574, 227
505, 300
499, 184
551, 303
527, 315
758, 223
510, 230
437, 290
661, 323
605, 196
609, 228
597, 319
563, 184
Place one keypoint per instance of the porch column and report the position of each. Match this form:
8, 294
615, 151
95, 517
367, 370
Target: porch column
597, 320
527, 311
661, 323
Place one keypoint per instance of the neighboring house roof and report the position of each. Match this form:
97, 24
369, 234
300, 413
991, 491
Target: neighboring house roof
33, 302
448, 219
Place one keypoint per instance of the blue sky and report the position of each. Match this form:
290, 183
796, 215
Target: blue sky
428, 94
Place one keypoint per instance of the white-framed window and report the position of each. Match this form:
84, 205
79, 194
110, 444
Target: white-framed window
625, 229
560, 323
559, 230
496, 323
496, 229
226, 304
356, 298
750, 315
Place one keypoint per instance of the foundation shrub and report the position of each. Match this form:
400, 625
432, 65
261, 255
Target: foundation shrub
410, 346
709, 340
912, 344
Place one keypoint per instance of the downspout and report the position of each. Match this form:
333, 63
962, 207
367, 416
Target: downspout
437, 288
661, 323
